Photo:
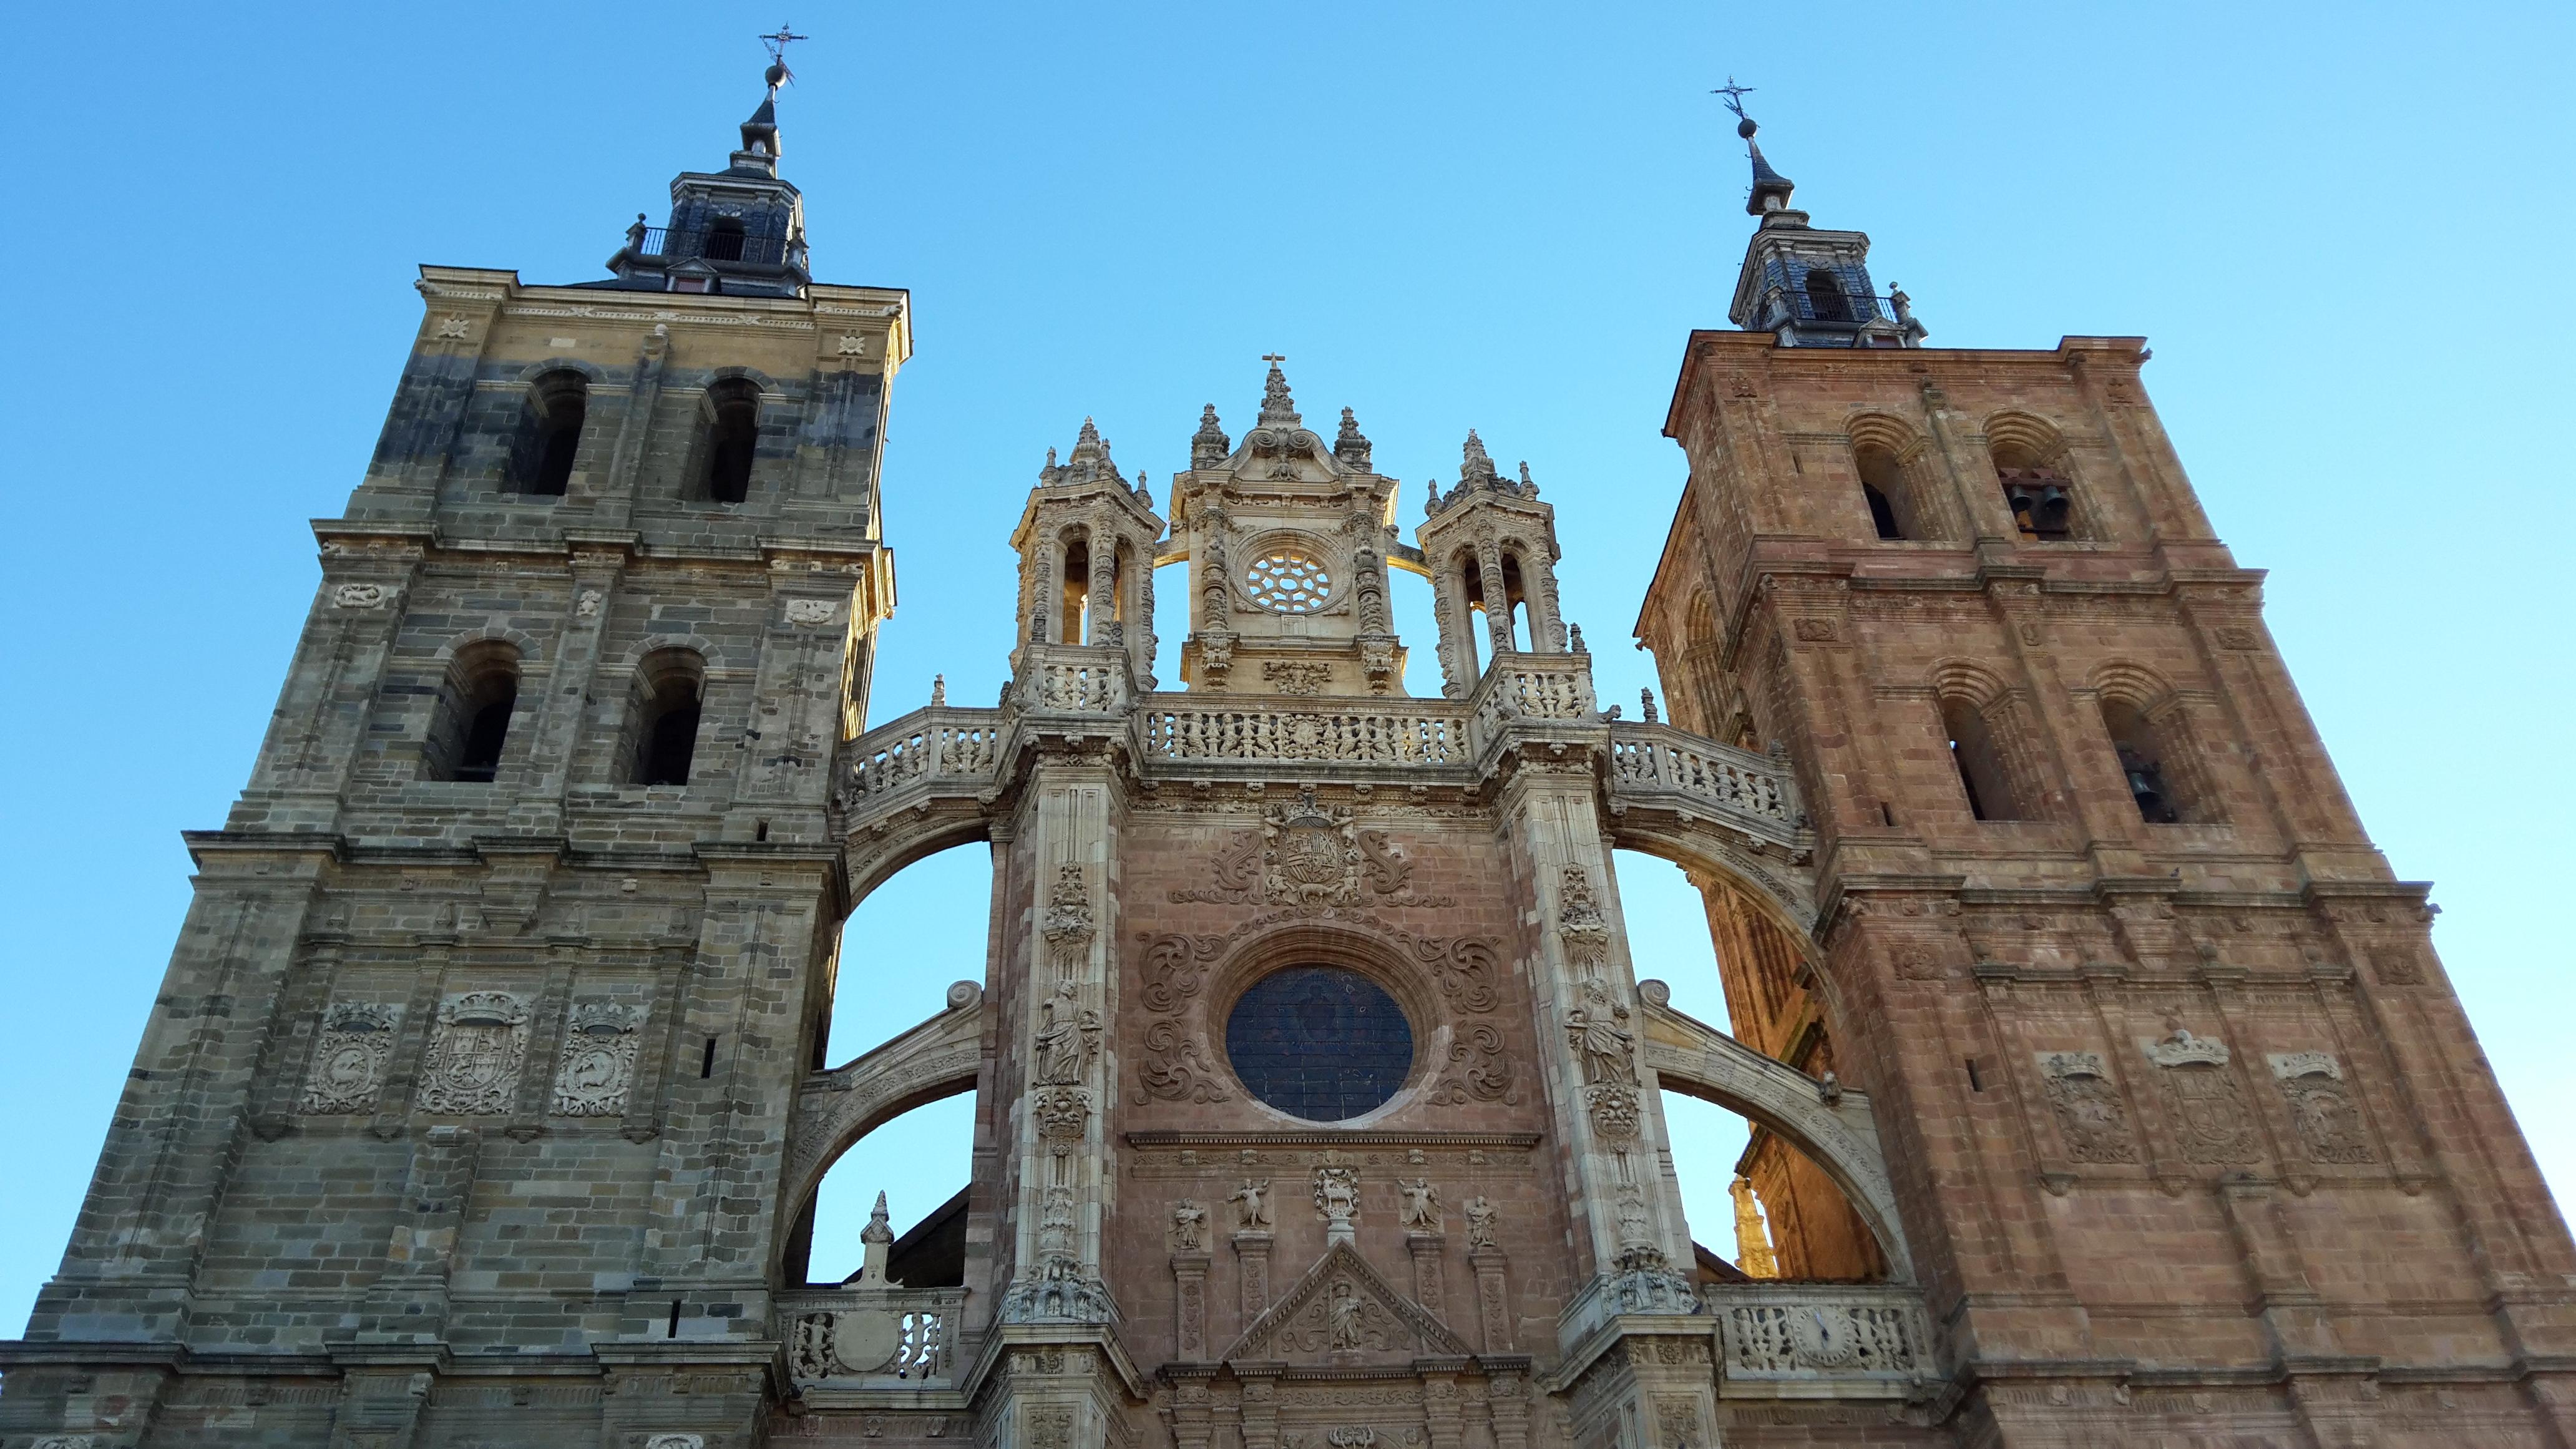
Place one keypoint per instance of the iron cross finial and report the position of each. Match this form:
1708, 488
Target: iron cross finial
778, 43
777, 46
1735, 95
1274, 357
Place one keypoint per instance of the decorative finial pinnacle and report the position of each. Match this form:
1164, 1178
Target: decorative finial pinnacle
778, 74
1277, 407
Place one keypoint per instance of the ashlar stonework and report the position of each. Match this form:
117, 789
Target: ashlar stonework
2105, 1086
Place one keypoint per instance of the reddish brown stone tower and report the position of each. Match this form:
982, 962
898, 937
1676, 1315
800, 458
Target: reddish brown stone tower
2191, 1140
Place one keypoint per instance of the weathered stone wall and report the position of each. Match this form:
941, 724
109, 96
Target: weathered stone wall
2188, 1094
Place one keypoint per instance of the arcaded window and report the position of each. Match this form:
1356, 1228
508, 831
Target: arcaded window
1979, 761
549, 436
1826, 300
670, 690
472, 720
730, 434
2043, 507
2143, 762
1074, 589
1882, 487
1322, 1043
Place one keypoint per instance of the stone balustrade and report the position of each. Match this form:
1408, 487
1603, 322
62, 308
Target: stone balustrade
1207, 728
1820, 1339
962, 746
1657, 764
1073, 679
872, 1338
1535, 687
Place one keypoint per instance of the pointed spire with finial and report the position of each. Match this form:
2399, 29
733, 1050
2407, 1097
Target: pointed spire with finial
1278, 409
1352, 446
1770, 189
1209, 445
1475, 465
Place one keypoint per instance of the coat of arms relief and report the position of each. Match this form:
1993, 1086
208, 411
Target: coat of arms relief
1310, 855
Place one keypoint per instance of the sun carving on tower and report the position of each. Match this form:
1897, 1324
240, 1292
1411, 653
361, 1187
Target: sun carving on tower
1288, 580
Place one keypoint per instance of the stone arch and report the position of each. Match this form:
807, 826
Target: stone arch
1882, 430
653, 643
1968, 680
939, 1058
590, 372
1835, 1128
2020, 440
880, 843
2129, 683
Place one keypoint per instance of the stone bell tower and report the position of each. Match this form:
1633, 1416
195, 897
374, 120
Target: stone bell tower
2188, 1130
459, 1116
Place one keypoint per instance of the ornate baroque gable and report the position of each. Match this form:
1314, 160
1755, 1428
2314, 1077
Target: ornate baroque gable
1343, 1312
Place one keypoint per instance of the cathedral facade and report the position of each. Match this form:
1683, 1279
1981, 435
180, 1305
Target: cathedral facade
2105, 1086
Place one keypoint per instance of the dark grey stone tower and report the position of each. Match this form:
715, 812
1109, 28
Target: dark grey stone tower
459, 1117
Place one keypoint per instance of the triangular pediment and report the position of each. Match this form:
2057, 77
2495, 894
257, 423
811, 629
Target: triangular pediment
1343, 1311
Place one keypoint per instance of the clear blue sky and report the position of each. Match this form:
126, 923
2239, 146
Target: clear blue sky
2344, 229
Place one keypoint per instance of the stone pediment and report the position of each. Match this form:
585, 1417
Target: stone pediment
1282, 453
1343, 1312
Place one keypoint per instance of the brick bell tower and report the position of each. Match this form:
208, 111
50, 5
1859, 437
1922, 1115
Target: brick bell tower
458, 1117
2190, 1135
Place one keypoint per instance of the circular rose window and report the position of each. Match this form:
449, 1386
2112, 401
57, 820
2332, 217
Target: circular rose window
1288, 581
1319, 1042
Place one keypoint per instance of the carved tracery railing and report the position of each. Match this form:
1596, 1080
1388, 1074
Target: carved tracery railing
872, 1338
961, 747
1304, 730
1657, 764
1806, 1339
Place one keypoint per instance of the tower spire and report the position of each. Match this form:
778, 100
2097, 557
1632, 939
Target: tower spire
1770, 189
1808, 287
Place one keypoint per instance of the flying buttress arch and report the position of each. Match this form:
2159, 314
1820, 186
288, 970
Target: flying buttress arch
1835, 1128
941, 1057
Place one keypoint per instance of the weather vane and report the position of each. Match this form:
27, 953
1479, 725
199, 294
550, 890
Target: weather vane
1735, 95
777, 47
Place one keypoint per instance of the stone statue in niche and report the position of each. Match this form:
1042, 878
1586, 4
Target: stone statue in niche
1483, 1219
1337, 1197
1607, 1047
1067, 1040
1421, 1205
1189, 1226
1252, 1206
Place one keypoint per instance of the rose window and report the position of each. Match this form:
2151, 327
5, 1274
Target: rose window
1288, 581
1319, 1042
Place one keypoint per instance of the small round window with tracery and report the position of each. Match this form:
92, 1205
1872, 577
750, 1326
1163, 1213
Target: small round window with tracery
1288, 581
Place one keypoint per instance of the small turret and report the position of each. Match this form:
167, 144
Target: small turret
1809, 288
